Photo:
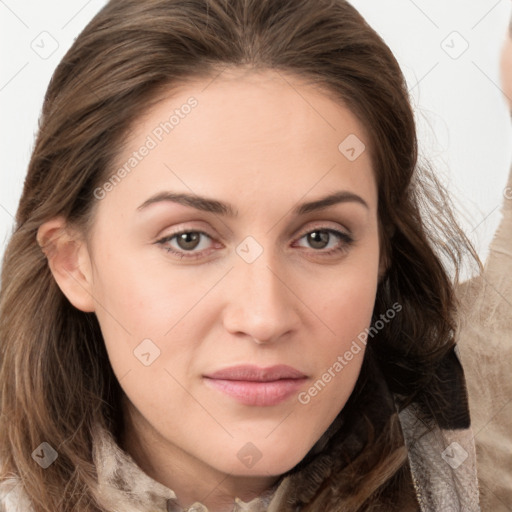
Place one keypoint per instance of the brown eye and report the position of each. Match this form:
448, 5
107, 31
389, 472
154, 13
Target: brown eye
188, 241
185, 243
318, 239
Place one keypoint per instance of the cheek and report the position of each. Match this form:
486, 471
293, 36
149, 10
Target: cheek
145, 294
344, 305
347, 299
348, 314
137, 302
150, 311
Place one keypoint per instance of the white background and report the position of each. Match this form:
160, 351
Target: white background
463, 122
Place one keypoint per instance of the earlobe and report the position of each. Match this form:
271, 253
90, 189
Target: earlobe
69, 262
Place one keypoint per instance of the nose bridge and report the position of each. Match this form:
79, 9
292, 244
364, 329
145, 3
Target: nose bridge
263, 306
262, 283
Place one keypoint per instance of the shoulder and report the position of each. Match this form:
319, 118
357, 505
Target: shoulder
485, 344
486, 299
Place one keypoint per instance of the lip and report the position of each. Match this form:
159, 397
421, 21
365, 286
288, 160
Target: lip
252, 385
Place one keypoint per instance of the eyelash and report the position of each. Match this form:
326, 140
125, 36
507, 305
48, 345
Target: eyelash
346, 239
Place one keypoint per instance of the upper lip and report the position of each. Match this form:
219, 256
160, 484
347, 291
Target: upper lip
254, 373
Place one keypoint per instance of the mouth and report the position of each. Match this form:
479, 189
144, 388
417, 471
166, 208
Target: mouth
251, 385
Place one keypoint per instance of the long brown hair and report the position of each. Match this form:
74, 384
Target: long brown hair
56, 382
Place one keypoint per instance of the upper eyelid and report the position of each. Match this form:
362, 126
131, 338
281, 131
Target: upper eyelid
324, 227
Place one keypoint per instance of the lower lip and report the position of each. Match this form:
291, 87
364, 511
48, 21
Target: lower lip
258, 393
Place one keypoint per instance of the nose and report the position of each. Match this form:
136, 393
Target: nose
261, 301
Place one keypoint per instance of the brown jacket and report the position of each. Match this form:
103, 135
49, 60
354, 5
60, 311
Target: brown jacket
485, 345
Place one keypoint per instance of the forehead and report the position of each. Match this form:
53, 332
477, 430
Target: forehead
260, 132
252, 107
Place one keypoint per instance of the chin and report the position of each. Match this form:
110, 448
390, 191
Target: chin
263, 459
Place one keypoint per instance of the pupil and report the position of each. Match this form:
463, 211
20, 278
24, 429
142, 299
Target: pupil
319, 237
188, 240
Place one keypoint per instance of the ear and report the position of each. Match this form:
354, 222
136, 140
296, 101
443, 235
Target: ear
69, 262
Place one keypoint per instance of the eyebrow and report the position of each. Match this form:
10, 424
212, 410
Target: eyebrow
213, 206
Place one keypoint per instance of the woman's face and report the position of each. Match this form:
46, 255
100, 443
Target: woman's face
261, 276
